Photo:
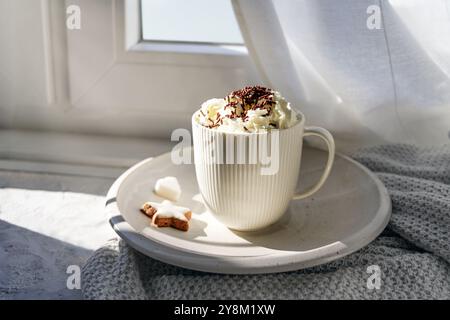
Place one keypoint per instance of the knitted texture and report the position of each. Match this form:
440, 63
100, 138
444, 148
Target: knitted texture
413, 253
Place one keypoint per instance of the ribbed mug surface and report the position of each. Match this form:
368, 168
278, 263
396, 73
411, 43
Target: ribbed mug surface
234, 187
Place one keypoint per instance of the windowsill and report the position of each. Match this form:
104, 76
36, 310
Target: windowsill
226, 50
75, 154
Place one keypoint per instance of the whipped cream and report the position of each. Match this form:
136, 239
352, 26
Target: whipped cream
251, 109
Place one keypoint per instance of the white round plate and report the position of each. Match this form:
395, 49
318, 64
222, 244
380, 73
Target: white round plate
350, 210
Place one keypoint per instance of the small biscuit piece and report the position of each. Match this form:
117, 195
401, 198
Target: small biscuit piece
166, 214
171, 222
169, 188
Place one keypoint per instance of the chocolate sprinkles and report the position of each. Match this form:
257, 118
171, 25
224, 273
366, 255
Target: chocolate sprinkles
246, 99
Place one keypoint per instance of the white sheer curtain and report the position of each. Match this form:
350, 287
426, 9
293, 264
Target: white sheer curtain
366, 85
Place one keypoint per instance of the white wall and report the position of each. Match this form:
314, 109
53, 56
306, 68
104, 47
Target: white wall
22, 67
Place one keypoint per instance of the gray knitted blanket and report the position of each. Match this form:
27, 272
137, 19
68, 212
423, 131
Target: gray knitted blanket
413, 253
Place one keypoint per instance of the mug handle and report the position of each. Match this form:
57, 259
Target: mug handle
328, 138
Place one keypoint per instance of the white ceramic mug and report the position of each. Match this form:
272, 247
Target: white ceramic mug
239, 195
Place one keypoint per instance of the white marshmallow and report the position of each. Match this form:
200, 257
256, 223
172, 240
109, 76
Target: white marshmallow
169, 188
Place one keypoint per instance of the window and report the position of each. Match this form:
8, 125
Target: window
190, 21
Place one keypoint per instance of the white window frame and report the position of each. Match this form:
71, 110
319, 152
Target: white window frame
136, 42
116, 36
106, 91
103, 79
